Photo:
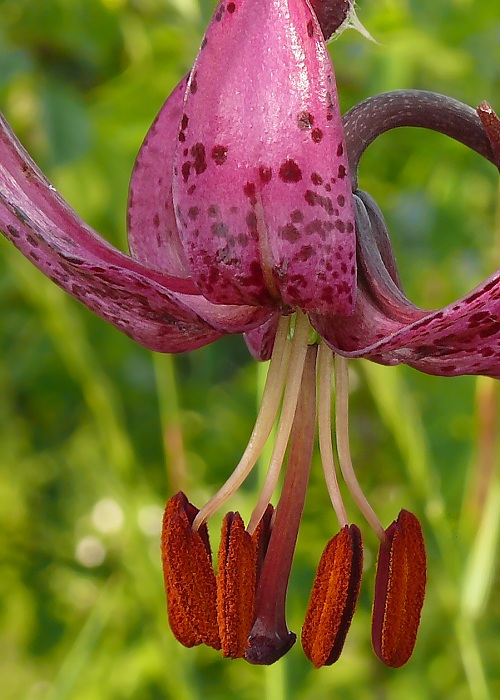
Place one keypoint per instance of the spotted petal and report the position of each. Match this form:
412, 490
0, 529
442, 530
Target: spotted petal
461, 338
152, 228
150, 307
261, 186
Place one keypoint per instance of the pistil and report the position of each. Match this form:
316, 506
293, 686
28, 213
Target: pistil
270, 638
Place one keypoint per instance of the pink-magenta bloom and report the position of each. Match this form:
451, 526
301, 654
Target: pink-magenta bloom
244, 217
241, 210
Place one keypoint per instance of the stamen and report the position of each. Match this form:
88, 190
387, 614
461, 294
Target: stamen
236, 584
189, 577
261, 537
271, 397
293, 384
343, 450
333, 597
324, 381
270, 637
399, 590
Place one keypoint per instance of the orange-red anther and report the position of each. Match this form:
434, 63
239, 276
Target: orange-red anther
262, 535
399, 590
333, 597
190, 582
236, 582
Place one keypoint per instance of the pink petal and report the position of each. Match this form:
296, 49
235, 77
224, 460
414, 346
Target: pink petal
261, 185
156, 310
461, 338
152, 228
260, 341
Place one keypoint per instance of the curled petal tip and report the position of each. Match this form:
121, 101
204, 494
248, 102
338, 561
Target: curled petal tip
399, 590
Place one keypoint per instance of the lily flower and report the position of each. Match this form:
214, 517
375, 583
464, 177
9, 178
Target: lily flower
244, 217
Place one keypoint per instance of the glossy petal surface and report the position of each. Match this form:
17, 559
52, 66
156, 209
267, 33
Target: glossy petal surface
151, 224
152, 227
261, 186
461, 338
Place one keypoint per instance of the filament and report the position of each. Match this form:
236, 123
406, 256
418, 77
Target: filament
271, 397
293, 383
324, 380
343, 450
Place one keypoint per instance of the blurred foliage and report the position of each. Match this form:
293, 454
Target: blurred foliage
95, 432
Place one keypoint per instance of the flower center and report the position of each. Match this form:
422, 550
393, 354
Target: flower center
285, 378
242, 609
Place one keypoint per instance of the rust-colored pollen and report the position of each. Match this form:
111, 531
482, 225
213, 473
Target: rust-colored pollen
333, 597
190, 582
236, 580
399, 590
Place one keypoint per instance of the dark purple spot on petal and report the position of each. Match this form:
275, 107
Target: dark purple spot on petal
316, 179
341, 200
198, 153
265, 174
231, 7
186, 170
342, 172
340, 149
219, 154
305, 120
316, 135
313, 199
306, 252
290, 171
310, 28
289, 233
296, 216
220, 229
249, 191
193, 213
251, 219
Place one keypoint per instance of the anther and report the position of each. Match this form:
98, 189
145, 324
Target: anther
399, 590
333, 598
189, 577
236, 582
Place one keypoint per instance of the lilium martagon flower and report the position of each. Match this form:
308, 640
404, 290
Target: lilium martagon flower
244, 217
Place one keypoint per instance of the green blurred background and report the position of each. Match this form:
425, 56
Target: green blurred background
96, 432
